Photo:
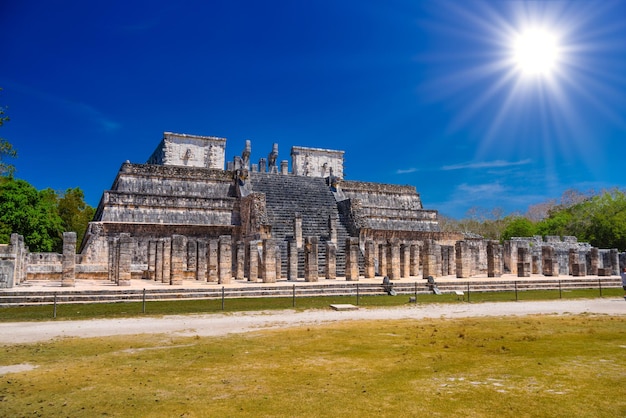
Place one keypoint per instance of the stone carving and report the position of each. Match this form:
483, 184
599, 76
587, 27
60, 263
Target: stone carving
271, 159
245, 154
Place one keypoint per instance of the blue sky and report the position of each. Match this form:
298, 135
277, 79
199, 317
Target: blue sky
424, 93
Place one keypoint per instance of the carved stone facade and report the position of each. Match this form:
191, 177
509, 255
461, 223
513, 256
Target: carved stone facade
190, 151
316, 162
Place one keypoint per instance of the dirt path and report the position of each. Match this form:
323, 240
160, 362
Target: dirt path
222, 324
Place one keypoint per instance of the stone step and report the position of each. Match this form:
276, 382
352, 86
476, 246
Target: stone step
286, 195
255, 290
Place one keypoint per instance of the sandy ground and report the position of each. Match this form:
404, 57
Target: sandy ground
222, 324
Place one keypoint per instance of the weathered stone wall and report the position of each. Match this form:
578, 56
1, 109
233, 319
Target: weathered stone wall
316, 162
388, 207
190, 151
161, 194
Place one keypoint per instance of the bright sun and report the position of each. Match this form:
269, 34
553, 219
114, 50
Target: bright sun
536, 52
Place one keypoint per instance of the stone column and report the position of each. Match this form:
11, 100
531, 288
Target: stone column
279, 262
269, 261
310, 259
331, 260
262, 165
523, 263
332, 229
112, 258
225, 263
415, 260
382, 259
158, 261
537, 264
240, 260
297, 230
576, 268
494, 259
445, 260
151, 254
68, 276
393, 259
125, 258
405, 260
292, 257
253, 261
352, 259
463, 260
370, 258
594, 261
201, 260
549, 263
614, 255
429, 259
176, 263
167, 257
192, 256
284, 167
510, 255
212, 258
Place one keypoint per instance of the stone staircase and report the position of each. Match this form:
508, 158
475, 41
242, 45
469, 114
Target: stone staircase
286, 195
24, 297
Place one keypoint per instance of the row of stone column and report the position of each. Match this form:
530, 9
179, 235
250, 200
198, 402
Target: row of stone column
13, 261
170, 259
545, 260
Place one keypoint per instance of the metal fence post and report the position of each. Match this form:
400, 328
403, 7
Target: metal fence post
357, 294
54, 311
222, 297
294, 296
516, 297
143, 301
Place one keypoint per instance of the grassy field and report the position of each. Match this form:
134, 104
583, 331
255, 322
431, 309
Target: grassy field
129, 309
541, 366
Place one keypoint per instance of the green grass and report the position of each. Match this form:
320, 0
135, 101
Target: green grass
548, 366
128, 309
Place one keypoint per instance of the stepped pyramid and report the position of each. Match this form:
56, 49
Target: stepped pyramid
184, 189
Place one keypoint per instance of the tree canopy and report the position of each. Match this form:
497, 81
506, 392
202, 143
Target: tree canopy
41, 216
31, 213
596, 218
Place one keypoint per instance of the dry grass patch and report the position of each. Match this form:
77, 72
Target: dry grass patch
531, 366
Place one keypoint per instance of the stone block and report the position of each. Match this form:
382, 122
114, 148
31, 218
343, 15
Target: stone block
370, 259
352, 259
331, 260
393, 259
310, 259
269, 261
69, 259
225, 260
292, 262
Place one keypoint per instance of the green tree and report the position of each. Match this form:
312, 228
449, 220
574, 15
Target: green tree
6, 149
518, 226
31, 213
598, 219
75, 213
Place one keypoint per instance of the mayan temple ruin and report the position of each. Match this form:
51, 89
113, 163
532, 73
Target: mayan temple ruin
188, 214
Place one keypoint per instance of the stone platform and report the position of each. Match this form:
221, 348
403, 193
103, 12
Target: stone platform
91, 291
